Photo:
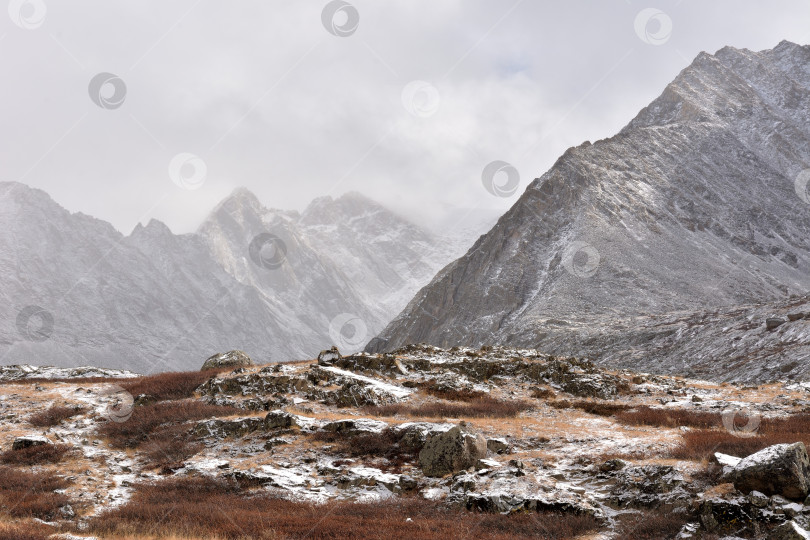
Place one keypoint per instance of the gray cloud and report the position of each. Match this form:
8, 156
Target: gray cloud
268, 99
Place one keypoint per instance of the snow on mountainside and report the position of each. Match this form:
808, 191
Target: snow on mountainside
693, 204
77, 292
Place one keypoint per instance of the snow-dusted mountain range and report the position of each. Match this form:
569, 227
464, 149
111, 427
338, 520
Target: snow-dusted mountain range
699, 202
278, 284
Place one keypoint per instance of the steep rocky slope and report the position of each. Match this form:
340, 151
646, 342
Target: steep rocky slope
77, 292
693, 204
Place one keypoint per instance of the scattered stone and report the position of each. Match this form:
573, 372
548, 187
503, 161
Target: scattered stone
760, 500
27, 441
498, 446
772, 323
279, 419
452, 451
781, 469
795, 316
233, 358
329, 356
612, 465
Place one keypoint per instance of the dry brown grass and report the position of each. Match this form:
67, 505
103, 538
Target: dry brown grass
146, 420
671, 418
484, 407
54, 416
599, 408
206, 507
169, 385
36, 455
452, 394
31, 495
396, 446
168, 447
24, 531
651, 526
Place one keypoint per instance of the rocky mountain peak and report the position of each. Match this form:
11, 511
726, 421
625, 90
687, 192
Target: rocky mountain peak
691, 204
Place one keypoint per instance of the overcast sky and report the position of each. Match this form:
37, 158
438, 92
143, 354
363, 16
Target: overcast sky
408, 106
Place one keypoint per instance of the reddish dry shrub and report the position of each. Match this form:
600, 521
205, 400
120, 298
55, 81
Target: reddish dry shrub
146, 420
543, 392
600, 408
36, 455
169, 385
31, 495
24, 531
169, 447
648, 416
54, 416
701, 444
206, 506
398, 447
452, 394
651, 526
486, 407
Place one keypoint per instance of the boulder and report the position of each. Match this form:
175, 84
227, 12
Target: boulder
795, 316
781, 469
279, 419
27, 441
789, 530
228, 359
772, 323
329, 356
498, 446
452, 451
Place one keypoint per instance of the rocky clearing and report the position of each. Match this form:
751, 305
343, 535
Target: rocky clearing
493, 432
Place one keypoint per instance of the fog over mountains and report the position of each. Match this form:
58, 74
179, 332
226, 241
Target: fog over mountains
698, 203
278, 284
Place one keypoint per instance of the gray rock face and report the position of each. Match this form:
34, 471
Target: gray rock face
452, 451
693, 203
77, 292
229, 359
781, 469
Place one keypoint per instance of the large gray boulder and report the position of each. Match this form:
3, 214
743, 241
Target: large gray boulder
781, 469
452, 451
234, 358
